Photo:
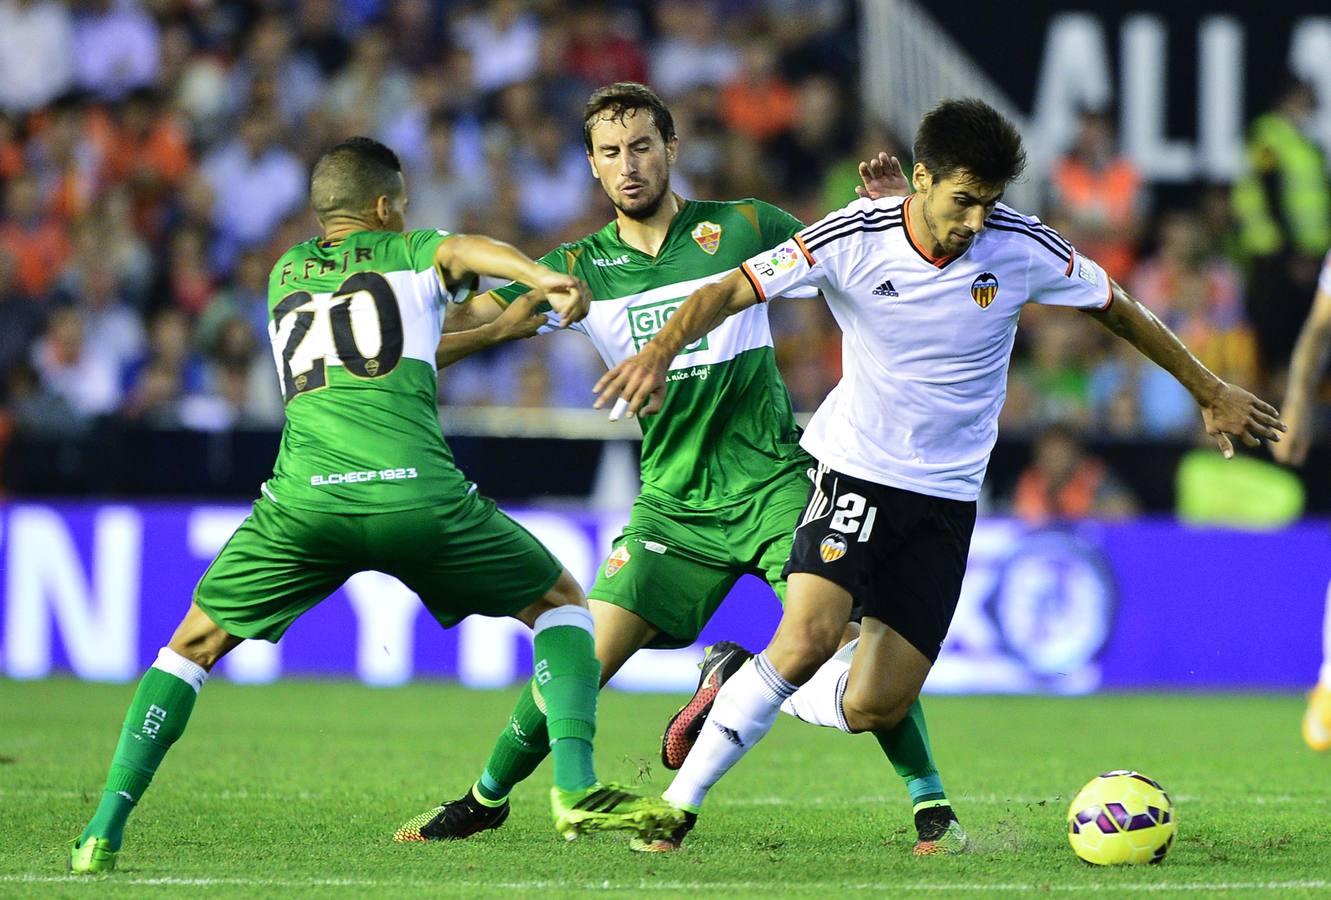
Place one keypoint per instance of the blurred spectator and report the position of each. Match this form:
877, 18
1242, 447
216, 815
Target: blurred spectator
116, 47
21, 320
369, 92
36, 53
690, 50
11, 148
319, 39
67, 154
1057, 371
256, 182
603, 47
555, 180
187, 282
1099, 198
35, 241
148, 152
1283, 205
441, 190
502, 39
271, 72
81, 374
156, 381
842, 177
814, 141
109, 324
240, 386
758, 103
246, 300
1064, 483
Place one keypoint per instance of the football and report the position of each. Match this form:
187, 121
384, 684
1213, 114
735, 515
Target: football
1121, 817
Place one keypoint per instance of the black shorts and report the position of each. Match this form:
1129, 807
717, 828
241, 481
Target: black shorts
900, 554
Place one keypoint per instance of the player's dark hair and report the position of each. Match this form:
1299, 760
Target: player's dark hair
352, 176
615, 101
969, 135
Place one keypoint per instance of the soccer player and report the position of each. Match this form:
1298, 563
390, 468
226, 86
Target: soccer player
724, 478
364, 480
927, 291
1305, 373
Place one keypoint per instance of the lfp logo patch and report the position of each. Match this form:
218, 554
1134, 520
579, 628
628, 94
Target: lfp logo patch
784, 257
832, 548
984, 289
616, 561
708, 236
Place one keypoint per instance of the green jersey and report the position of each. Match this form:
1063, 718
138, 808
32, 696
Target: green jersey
727, 426
354, 326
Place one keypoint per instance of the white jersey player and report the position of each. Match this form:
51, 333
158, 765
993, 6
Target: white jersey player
927, 292
1305, 373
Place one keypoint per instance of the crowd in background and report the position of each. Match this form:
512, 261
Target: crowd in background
154, 160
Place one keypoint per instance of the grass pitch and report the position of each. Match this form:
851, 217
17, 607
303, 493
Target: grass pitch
294, 789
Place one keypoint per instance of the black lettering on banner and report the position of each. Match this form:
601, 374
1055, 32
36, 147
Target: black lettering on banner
388, 317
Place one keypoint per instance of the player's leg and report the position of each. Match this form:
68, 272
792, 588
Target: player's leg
475, 559
1317, 719
287, 576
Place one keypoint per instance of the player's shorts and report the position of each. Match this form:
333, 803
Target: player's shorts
461, 558
900, 554
673, 567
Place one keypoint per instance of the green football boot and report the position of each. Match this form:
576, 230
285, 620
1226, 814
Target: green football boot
608, 807
93, 857
938, 832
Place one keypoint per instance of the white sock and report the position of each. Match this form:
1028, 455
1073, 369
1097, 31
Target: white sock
818, 702
744, 711
1325, 675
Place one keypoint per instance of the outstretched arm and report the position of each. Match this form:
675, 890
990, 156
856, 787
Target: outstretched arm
1227, 410
640, 380
1305, 371
483, 322
464, 255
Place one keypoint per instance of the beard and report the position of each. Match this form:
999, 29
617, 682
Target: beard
649, 204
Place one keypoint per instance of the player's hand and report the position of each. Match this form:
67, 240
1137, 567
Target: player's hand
521, 319
1292, 450
568, 296
638, 383
882, 177
1233, 412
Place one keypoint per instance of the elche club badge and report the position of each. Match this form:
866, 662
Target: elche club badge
984, 289
832, 548
616, 560
708, 237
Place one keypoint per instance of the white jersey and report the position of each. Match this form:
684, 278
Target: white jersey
925, 342
1324, 279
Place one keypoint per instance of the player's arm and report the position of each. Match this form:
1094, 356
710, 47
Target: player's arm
1227, 409
640, 380
483, 322
466, 255
1305, 371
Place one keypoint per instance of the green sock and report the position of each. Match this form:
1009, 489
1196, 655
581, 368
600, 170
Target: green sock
907, 747
567, 680
521, 747
156, 718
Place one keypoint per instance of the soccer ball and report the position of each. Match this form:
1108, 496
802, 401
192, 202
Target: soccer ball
1121, 817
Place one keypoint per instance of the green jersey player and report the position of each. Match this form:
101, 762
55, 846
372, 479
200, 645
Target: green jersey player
364, 480
724, 479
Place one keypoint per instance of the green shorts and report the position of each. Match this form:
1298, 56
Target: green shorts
674, 567
462, 558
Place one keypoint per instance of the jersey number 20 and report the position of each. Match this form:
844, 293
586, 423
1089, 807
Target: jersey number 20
340, 336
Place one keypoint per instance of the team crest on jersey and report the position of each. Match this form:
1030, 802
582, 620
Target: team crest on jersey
984, 289
708, 236
832, 548
617, 561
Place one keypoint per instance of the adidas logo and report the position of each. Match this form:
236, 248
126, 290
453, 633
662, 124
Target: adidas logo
885, 290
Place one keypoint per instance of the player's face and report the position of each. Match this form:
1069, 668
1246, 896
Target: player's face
955, 207
632, 162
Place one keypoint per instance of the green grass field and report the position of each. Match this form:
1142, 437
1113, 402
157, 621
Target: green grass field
293, 789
